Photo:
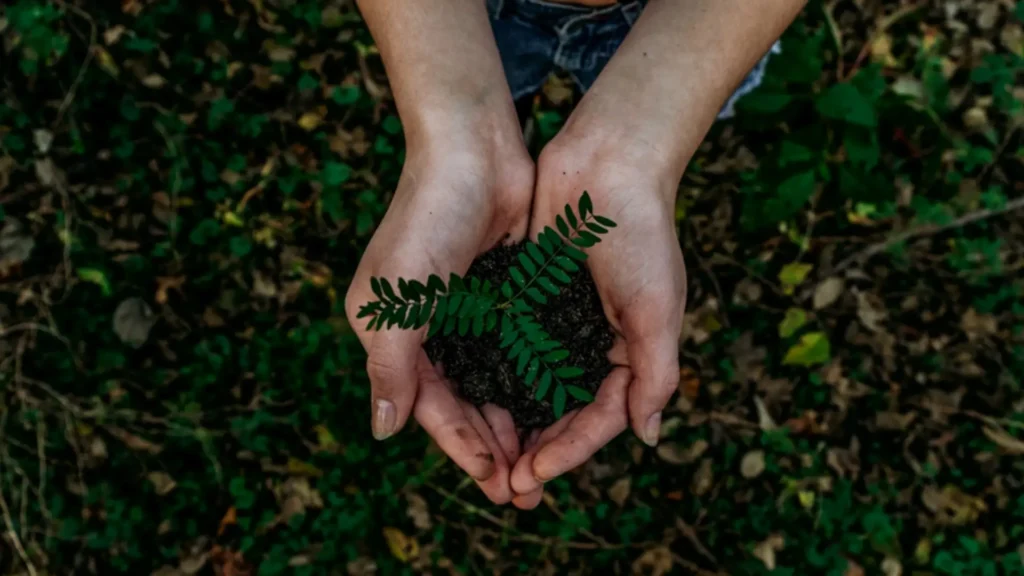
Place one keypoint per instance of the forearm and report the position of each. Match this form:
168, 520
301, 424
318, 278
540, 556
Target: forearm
667, 82
443, 66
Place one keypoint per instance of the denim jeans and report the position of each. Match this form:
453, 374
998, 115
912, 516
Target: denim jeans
537, 36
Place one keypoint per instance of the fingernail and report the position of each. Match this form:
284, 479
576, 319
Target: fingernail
383, 419
652, 430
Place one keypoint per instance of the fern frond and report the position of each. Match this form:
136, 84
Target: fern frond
463, 304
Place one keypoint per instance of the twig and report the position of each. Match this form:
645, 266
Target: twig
711, 275
837, 36
926, 230
85, 63
13, 535
692, 567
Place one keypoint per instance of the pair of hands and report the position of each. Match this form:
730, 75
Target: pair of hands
462, 193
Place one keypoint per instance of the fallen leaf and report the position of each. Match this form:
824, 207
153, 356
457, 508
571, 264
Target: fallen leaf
310, 120
654, 561
703, 478
162, 482
15, 245
418, 511
165, 283
689, 383
813, 348
1002, 439
870, 312
133, 319
154, 81
792, 275
752, 464
113, 34
766, 549
892, 567
106, 61
794, 320
676, 453
806, 498
620, 490
97, 277
134, 442
853, 569
324, 439
402, 547
881, 51
300, 468
827, 292
230, 518
764, 418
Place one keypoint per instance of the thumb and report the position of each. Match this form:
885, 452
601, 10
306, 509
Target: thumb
654, 361
391, 365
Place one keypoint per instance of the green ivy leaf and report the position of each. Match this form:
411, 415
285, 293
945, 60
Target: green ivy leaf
794, 320
845, 103
813, 348
335, 174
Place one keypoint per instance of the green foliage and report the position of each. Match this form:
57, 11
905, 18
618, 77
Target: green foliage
468, 306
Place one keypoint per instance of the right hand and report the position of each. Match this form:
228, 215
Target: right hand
458, 196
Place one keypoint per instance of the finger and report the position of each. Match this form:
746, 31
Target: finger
597, 424
528, 501
504, 429
523, 480
654, 360
497, 487
392, 368
442, 417
619, 355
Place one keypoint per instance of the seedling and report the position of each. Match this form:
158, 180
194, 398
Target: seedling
466, 305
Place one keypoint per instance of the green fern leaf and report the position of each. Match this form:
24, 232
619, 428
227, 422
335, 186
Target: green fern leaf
469, 303
486, 288
531, 372
574, 253
368, 310
449, 324
507, 338
546, 284
389, 292
454, 300
580, 394
412, 317
464, 325
557, 274
571, 217
506, 289
562, 227
418, 288
517, 276
537, 295
428, 307
524, 357
558, 402
547, 345
436, 324
596, 228
527, 264
369, 325
534, 251
435, 284
519, 345
556, 356
455, 283
566, 264
520, 306
491, 321
442, 308
478, 326
405, 290
606, 222
375, 286
543, 385
568, 372
585, 206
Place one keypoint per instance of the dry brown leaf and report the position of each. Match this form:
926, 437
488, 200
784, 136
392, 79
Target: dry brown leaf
765, 550
133, 319
1002, 439
134, 442
230, 518
654, 562
827, 292
154, 81
892, 567
620, 490
676, 453
162, 482
418, 511
752, 464
764, 418
853, 569
113, 34
703, 478
402, 547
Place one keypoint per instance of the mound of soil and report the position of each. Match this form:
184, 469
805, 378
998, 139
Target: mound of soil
482, 372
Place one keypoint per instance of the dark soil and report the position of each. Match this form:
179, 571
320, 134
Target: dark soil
482, 372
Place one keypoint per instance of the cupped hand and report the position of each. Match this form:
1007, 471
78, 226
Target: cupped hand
640, 276
456, 198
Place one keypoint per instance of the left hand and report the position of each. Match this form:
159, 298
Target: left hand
641, 279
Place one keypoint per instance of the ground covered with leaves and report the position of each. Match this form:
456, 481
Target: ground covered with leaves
186, 188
